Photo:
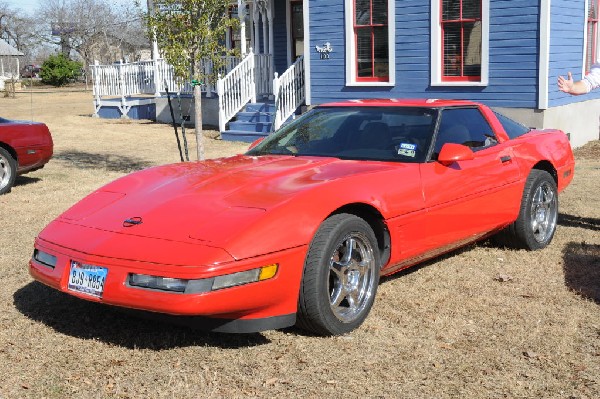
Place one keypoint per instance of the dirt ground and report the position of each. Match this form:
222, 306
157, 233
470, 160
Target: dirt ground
483, 322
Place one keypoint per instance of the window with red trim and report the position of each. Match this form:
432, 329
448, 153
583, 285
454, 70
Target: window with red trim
371, 38
461, 37
591, 52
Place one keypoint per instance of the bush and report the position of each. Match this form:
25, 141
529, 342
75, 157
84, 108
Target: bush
58, 70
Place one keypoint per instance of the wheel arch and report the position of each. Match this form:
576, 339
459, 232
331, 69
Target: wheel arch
10, 150
377, 222
547, 167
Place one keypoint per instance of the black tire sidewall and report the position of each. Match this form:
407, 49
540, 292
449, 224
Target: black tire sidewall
536, 179
327, 239
12, 164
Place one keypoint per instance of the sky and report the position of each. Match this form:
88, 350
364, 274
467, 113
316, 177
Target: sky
30, 6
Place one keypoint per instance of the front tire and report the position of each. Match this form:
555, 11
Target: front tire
8, 171
536, 224
341, 275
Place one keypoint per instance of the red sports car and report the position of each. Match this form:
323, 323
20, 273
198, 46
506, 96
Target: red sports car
299, 229
24, 147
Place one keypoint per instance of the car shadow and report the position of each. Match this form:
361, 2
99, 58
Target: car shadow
567, 220
109, 162
26, 180
582, 269
88, 320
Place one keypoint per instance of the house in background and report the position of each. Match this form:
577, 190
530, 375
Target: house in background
109, 48
10, 61
506, 54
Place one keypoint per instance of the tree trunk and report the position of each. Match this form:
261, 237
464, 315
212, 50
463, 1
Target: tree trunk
198, 122
65, 46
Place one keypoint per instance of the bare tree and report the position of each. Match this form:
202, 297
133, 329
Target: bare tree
83, 25
19, 30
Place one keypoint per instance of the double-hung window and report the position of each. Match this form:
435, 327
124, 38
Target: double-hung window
459, 31
370, 42
591, 50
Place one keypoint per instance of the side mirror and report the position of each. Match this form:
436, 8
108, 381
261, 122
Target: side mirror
452, 152
255, 143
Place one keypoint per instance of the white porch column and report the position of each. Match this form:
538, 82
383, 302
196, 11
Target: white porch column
255, 38
155, 56
242, 17
270, 14
263, 18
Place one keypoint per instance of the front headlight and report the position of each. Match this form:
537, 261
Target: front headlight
158, 283
203, 285
44, 258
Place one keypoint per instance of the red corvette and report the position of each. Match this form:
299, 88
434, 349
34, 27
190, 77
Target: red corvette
299, 229
24, 147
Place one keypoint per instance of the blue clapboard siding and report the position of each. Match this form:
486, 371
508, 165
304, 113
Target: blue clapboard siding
280, 37
513, 62
566, 48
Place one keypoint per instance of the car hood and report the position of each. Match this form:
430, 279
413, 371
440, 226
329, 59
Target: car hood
208, 202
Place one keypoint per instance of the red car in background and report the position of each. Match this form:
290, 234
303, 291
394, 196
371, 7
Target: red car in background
299, 229
24, 147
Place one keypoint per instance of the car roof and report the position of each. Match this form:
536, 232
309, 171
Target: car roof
402, 102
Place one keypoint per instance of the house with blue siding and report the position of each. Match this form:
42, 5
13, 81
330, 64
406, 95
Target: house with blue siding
523, 46
506, 54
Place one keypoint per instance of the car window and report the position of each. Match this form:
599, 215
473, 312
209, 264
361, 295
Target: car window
465, 126
513, 129
374, 133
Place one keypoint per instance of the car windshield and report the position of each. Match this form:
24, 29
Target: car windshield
400, 134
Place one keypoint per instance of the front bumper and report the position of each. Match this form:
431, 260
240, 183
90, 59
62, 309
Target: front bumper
250, 307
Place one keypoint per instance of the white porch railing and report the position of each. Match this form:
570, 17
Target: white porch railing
289, 92
236, 89
143, 78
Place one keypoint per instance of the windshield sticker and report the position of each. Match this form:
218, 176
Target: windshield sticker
407, 150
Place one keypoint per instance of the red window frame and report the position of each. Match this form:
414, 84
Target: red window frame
592, 34
461, 53
370, 26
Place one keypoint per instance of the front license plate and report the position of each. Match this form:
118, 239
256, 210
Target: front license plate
87, 279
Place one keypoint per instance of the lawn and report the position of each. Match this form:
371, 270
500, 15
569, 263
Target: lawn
482, 322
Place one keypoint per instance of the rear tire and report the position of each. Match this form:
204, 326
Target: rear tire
8, 171
341, 275
536, 224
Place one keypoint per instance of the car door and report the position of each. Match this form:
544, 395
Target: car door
468, 198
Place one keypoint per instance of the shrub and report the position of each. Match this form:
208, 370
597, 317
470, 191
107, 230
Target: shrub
58, 70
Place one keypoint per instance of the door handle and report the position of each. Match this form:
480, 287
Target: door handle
505, 158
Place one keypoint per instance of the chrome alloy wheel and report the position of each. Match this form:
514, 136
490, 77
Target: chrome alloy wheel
5, 171
544, 211
352, 268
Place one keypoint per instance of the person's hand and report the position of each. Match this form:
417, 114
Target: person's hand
566, 85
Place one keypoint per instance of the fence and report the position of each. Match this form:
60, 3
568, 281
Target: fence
128, 79
289, 92
236, 88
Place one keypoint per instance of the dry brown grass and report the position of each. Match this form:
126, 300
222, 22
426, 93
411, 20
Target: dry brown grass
484, 322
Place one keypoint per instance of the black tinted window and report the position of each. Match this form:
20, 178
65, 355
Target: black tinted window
371, 133
513, 129
465, 126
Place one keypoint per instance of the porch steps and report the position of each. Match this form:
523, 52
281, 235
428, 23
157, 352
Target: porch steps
254, 122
